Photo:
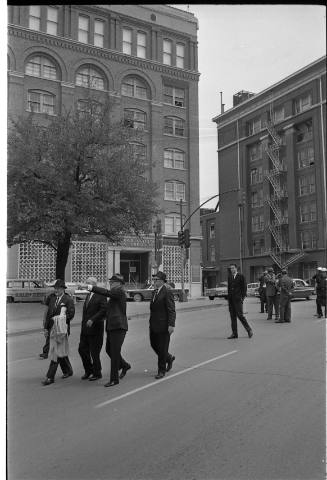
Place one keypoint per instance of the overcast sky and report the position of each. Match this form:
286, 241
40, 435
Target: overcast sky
248, 47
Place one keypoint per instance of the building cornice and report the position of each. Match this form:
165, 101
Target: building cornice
101, 53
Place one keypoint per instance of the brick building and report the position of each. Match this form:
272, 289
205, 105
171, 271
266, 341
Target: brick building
271, 146
143, 57
210, 245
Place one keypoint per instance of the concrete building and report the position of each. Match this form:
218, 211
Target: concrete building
272, 161
144, 57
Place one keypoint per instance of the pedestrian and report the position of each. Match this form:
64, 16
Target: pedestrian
61, 311
91, 338
272, 293
286, 286
162, 322
236, 294
262, 293
116, 326
323, 290
319, 280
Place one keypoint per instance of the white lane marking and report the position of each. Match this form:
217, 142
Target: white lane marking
136, 390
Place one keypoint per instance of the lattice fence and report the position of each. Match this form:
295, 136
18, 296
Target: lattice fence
89, 259
172, 264
36, 260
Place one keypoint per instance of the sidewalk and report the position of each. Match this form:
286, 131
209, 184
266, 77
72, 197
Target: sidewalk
23, 318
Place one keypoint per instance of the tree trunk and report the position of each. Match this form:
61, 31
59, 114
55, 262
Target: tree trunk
62, 255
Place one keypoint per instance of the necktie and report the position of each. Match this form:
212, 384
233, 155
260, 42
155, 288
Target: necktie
155, 294
87, 299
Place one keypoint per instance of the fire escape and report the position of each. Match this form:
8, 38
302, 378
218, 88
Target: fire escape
277, 201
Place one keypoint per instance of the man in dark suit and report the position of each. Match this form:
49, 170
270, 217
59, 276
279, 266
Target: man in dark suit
236, 293
162, 322
272, 293
91, 339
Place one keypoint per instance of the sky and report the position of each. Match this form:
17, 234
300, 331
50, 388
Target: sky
247, 47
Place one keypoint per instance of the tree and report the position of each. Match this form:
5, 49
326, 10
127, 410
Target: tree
76, 175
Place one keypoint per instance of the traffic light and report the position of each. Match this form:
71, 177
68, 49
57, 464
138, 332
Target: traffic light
187, 238
181, 238
241, 197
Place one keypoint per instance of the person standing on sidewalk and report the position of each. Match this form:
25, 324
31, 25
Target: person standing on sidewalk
286, 286
60, 304
116, 326
319, 279
162, 322
91, 339
272, 293
236, 294
262, 292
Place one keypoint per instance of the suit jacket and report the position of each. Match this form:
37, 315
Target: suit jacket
237, 287
95, 309
116, 307
271, 285
162, 310
65, 301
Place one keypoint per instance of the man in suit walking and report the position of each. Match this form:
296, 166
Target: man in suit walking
162, 322
236, 293
91, 339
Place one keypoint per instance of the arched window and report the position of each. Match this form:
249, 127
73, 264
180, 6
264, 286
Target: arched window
40, 66
135, 87
89, 77
135, 118
174, 190
174, 158
174, 126
39, 101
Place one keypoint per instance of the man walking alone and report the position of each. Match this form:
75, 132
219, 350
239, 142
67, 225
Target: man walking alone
236, 294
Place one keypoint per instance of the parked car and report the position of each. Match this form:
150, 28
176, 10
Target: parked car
220, 291
27, 290
77, 290
253, 289
140, 294
302, 289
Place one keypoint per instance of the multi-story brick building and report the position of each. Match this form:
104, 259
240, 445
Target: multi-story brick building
143, 57
210, 263
271, 146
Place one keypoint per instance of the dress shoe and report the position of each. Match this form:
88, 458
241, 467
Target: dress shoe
86, 376
111, 384
250, 333
43, 355
124, 371
47, 381
279, 321
66, 375
269, 318
94, 377
170, 363
233, 336
160, 375
287, 321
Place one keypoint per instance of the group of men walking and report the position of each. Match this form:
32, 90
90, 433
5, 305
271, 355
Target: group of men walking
105, 306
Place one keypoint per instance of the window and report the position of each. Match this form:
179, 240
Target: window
258, 246
256, 175
308, 212
98, 33
257, 223
174, 96
212, 231
180, 55
305, 157
278, 114
212, 253
174, 126
254, 126
34, 20
307, 185
135, 119
127, 41
174, 191
302, 103
86, 106
304, 131
174, 158
308, 239
83, 29
257, 198
172, 223
138, 152
134, 87
40, 102
41, 67
255, 152
88, 77
52, 20
167, 52
141, 45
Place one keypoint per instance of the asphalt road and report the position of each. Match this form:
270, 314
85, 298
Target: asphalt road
230, 409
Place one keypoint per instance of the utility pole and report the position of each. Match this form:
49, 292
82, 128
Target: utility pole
182, 251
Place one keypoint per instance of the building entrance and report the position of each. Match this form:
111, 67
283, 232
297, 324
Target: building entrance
134, 267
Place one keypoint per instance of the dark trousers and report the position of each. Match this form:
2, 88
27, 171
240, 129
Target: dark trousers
46, 347
160, 344
89, 349
319, 307
115, 340
236, 312
273, 301
65, 366
285, 308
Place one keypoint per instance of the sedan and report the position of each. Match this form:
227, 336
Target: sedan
302, 289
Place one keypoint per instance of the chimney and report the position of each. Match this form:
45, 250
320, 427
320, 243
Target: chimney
241, 97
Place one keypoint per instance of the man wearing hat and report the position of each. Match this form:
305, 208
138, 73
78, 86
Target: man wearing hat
57, 302
162, 322
286, 287
116, 326
271, 293
319, 279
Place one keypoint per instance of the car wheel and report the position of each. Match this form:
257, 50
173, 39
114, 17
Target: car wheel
211, 298
176, 297
10, 300
138, 297
307, 298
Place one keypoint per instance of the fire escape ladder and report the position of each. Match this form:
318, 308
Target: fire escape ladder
294, 258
